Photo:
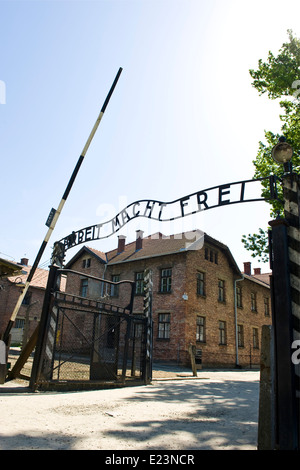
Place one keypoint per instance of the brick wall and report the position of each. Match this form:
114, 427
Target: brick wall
213, 311
209, 307
170, 303
251, 319
182, 310
29, 314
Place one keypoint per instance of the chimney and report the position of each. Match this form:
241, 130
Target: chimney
24, 261
257, 271
121, 243
139, 240
247, 268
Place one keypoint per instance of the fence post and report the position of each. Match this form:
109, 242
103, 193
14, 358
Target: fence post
266, 420
45, 315
285, 391
291, 195
148, 314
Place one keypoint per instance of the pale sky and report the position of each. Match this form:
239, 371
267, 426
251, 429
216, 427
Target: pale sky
183, 117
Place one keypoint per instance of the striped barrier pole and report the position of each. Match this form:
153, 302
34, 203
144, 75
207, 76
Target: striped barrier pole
291, 192
54, 214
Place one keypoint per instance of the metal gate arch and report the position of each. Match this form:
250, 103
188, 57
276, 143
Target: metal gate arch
90, 342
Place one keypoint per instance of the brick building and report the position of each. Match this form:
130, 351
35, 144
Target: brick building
11, 284
200, 296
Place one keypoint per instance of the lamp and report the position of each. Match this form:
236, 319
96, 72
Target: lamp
282, 153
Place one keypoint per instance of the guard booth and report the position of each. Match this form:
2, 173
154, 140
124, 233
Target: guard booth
89, 341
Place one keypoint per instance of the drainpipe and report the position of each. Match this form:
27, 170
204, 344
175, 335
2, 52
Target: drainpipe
235, 320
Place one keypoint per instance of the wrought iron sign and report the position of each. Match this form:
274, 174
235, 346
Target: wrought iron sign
216, 196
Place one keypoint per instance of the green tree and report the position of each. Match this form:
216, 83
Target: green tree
279, 77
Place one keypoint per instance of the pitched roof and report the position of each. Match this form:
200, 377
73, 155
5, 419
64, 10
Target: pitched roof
156, 244
7, 268
39, 279
224, 248
91, 251
262, 279
99, 254
161, 245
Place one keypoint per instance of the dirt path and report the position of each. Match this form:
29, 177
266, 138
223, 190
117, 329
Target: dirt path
216, 410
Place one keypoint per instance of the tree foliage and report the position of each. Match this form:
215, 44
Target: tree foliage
279, 77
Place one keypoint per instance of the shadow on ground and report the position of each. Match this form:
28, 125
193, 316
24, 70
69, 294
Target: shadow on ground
189, 414
223, 415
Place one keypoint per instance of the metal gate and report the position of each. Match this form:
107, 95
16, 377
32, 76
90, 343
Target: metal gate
89, 336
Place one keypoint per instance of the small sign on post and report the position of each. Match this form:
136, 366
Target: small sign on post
192, 352
2, 362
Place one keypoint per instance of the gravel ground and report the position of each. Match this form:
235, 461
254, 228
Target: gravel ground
217, 410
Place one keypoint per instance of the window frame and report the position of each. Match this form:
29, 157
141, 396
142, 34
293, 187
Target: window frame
253, 302
114, 290
211, 255
27, 299
139, 283
240, 336
200, 329
19, 323
239, 296
84, 284
266, 306
221, 291
255, 337
222, 333
86, 263
165, 281
164, 326
201, 284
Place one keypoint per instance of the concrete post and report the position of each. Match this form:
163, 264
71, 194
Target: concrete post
267, 419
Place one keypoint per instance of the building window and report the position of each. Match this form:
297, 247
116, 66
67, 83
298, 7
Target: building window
111, 332
137, 330
200, 283
114, 290
221, 291
255, 338
253, 302
79, 322
83, 287
211, 255
200, 329
266, 307
164, 326
86, 263
222, 332
166, 280
19, 323
139, 283
27, 299
240, 332
239, 302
